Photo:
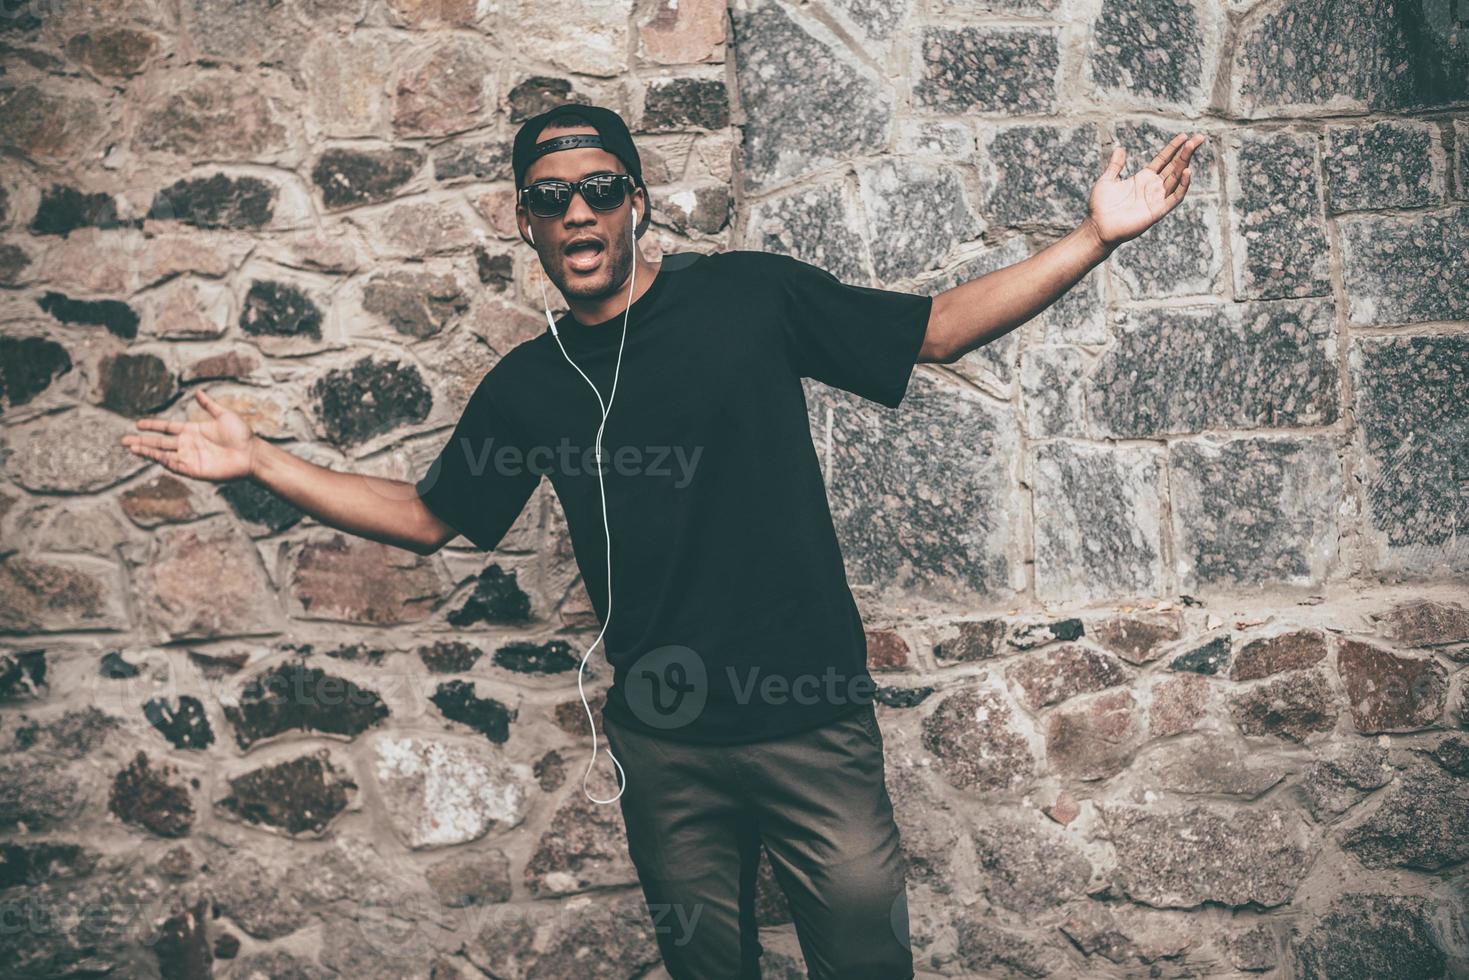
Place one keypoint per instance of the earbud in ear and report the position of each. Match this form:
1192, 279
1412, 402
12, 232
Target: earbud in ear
531, 233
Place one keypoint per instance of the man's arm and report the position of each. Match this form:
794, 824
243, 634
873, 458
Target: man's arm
974, 313
370, 507
222, 447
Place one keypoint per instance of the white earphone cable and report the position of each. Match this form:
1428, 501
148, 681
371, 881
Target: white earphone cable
602, 485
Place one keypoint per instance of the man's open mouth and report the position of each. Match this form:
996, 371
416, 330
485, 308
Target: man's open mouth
584, 256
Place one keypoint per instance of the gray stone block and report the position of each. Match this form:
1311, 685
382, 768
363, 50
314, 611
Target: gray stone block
1389, 164
1156, 51
916, 214
817, 103
922, 497
1052, 391
1406, 270
1180, 256
987, 69
1241, 366
816, 224
1277, 224
1254, 512
1039, 174
1098, 526
1410, 408
1349, 55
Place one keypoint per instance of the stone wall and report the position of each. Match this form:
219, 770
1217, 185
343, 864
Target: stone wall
1164, 588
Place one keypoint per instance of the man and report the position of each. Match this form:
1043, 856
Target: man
667, 409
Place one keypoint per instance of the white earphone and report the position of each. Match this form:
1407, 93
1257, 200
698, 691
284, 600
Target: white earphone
606, 531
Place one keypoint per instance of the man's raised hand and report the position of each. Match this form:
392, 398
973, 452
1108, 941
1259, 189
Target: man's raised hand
1123, 209
217, 449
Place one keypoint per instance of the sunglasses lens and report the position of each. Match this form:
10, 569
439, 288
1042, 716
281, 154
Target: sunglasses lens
603, 192
550, 198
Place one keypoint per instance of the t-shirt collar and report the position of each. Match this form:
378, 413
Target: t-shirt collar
608, 333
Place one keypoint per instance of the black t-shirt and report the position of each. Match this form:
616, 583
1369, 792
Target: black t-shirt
732, 620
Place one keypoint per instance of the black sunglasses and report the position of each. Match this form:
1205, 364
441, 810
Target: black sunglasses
551, 198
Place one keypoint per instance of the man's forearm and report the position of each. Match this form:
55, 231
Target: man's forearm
368, 506
984, 309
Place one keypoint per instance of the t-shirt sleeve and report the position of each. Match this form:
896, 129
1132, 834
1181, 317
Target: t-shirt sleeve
857, 338
480, 481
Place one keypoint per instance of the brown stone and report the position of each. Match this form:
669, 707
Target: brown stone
1137, 639
610, 936
571, 716
977, 640
162, 500
46, 125
1125, 934
462, 880
683, 32
416, 304
145, 797
345, 80
1208, 765
585, 845
95, 260
434, 13
233, 364
972, 735
299, 797
1179, 701
1332, 786
1053, 676
117, 52
1292, 706
189, 310
76, 451
39, 596
423, 228
163, 255
504, 326
1063, 809
1425, 623
214, 117
1422, 823
203, 580
445, 88
1026, 865
354, 580
1183, 858
1276, 654
1388, 692
886, 650
135, 384
1095, 738
497, 208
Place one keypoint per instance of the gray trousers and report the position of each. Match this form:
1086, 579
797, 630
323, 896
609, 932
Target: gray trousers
697, 816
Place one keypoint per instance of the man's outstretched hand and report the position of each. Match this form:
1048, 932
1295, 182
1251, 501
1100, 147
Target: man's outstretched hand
1123, 209
217, 449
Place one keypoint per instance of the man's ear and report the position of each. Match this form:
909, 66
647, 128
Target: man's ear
645, 210
521, 213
